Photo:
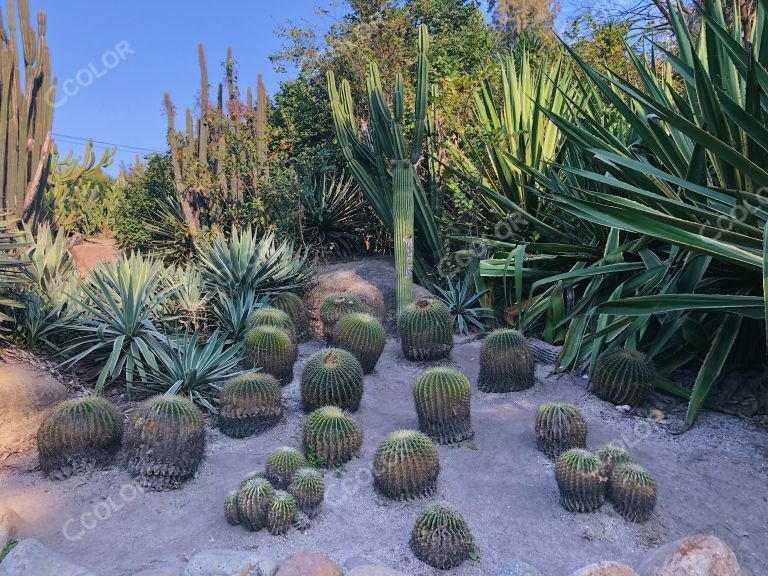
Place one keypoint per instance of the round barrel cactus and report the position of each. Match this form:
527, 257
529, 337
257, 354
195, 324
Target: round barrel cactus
332, 436
308, 489
426, 330
294, 306
332, 377
579, 479
363, 336
252, 476
632, 491
623, 377
269, 316
253, 502
281, 464
506, 362
230, 508
273, 350
250, 404
334, 307
441, 537
559, 427
280, 513
610, 456
442, 397
406, 465
79, 435
165, 442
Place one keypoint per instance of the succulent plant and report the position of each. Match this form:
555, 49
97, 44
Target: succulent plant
253, 502
252, 476
334, 307
559, 427
610, 456
269, 316
294, 306
332, 377
442, 397
332, 435
441, 536
230, 508
273, 350
165, 442
363, 336
281, 464
579, 479
506, 362
250, 404
425, 329
406, 465
632, 491
623, 377
78, 435
308, 489
281, 512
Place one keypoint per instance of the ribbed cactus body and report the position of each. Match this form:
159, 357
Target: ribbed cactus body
442, 397
308, 489
334, 307
506, 362
332, 435
79, 435
559, 427
273, 350
250, 404
294, 306
253, 502
230, 508
441, 537
165, 442
579, 479
281, 465
632, 491
252, 476
406, 465
623, 377
281, 512
426, 330
610, 456
363, 336
332, 377
269, 316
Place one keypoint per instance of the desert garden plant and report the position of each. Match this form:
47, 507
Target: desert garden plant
406, 466
632, 491
559, 427
506, 362
272, 350
332, 436
268, 316
332, 377
254, 499
334, 307
443, 397
250, 404
308, 489
281, 465
363, 336
610, 456
281, 512
623, 377
463, 303
580, 481
188, 305
230, 508
441, 536
425, 330
294, 306
231, 312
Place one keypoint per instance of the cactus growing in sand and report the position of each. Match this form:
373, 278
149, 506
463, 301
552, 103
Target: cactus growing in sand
332, 377
441, 537
426, 330
332, 436
294, 306
253, 501
363, 336
281, 511
252, 476
250, 404
610, 456
632, 491
308, 489
273, 350
506, 362
334, 307
230, 508
623, 377
559, 427
406, 465
269, 316
281, 465
580, 481
442, 398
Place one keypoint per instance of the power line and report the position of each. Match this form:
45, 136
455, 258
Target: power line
103, 143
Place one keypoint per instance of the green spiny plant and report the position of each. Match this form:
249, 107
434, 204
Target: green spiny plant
559, 427
165, 442
281, 465
269, 316
281, 512
441, 536
623, 377
406, 465
230, 508
362, 335
506, 362
426, 330
442, 397
632, 491
294, 306
250, 404
334, 307
273, 350
308, 488
332, 435
252, 476
79, 435
579, 479
253, 502
610, 456
332, 377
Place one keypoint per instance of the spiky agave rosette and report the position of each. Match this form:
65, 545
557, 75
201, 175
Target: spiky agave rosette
506, 362
623, 377
269, 316
308, 489
280, 513
332, 377
250, 404
79, 435
406, 466
633, 492
273, 350
442, 397
334, 307
363, 336
294, 306
441, 536
426, 330
559, 427
332, 435
579, 479
253, 501
281, 465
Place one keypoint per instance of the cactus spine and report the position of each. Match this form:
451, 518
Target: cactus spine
281, 465
579, 479
332, 436
250, 404
406, 465
308, 489
559, 427
292, 305
442, 397
281, 512
623, 377
334, 307
332, 377
633, 492
273, 350
363, 336
506, 362
426, 330
441, 537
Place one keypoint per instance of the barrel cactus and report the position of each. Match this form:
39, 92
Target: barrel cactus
253, 502
332, 436
336, 306
165, 442
281, 512
250, 404
441, 537
332, 377
363, 336
560, 427
252, 476
426, 330
269, 316
406, 465
442, 397
633, 492
79, 435
610, 456
308, 489
281, 465
230, 508
579, 479
506, 362
294, 306
273, 350
623, 377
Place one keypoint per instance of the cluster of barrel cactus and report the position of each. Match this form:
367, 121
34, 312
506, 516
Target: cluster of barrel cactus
441, 536
623, 377
580, 481
632, 491
273, 350
332, 377
334, 307
332, 436
559, 427
442, 397
506, 362
281, 465
363, 336
308, 489
250, 404
406, 465
294, 306
269, 316
426, 330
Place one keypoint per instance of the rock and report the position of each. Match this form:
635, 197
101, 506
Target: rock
519, 568
698, 555
10, 522
308, 564
230, 563
168, 571
30, 557
91, 252
373, 570
605, 569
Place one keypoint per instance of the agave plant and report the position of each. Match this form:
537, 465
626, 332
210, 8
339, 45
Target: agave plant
188, 305
463, 302
51, 267
11, 266
231, 311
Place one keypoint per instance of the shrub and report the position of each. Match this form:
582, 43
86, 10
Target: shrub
425, 330
406, 465
506, 362
363, 336
462, 301
332, 377
442, 397
441, 537
332, 436
250, 404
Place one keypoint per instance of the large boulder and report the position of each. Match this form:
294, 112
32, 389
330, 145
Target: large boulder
698, 555
10, 522
308, 564
605, 569
30, 557
230, 563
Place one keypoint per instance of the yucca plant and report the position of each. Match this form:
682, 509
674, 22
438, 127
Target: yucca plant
463, 302
188, 305
231, 312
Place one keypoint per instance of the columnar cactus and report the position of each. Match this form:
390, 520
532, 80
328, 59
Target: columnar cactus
442, 397
332, 377
269, 316
334, 307
230, 508
253, 502
308, 489
579, 479
78, 435
623, 377
441, 537
633, 492
506, 362
426, 330
281, 512
281, 465
611, 456
406, 465
559, 427
273, 350
332, 436
250, 404
363, 336
165, 442
294, 306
